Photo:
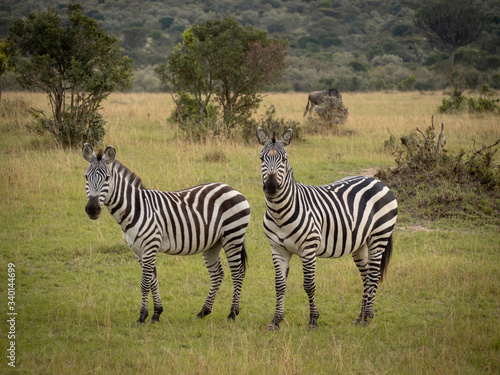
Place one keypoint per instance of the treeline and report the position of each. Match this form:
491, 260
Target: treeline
353, 45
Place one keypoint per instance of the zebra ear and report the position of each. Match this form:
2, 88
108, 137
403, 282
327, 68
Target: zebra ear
109, 154
286, 139
88, 153
262, 137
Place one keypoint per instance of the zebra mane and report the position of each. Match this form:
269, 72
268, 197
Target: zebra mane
127, 174
100, 154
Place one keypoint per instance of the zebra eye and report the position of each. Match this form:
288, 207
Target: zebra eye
107, 178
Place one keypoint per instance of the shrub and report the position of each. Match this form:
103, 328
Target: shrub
74, 127
461, 103
331, 110
407, 84
429, 182
196, 119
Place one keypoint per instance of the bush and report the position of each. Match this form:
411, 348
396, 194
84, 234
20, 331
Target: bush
431, 183
196, 119
461, 103
331, 110
407, 84
73, 128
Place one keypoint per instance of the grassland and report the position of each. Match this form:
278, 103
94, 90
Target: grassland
78, 284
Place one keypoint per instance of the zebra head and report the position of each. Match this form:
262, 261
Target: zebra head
98, 177
274, 161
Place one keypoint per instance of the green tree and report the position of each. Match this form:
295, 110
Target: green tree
76, 63
226, 63
135, 37
6, 61
451, 23
166, 22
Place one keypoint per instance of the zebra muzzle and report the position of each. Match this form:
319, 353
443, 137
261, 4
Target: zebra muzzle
271, 185
93, 209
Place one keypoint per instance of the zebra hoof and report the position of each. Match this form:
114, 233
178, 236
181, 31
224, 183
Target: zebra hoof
271, 327
154, 319
203, 313
313, 325
363, 320
139, 323
233, 314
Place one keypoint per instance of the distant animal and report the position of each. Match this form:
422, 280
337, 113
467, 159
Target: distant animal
201, 219
355, 215
315, 98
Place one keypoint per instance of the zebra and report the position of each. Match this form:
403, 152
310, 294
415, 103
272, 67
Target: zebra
201, 219
355, 215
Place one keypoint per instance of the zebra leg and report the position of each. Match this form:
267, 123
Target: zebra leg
281, 260
309, 269
148, 275
236, 258
158, 308
212, 261
368, 262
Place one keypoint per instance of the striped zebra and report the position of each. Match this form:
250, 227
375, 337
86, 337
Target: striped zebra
355, 215
202, 219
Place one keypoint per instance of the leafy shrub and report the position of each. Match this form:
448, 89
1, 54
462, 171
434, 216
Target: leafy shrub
75, 127
195, 118
461, 103
407, 84
429, 182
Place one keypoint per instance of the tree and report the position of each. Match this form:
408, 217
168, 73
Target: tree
6, 61
135, 37
76, 63
451, 23
226, 63
166, 22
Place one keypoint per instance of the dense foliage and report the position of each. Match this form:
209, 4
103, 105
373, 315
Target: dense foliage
76, 63
352, 45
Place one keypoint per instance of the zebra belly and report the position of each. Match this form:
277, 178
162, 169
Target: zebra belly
170, 248
279, 238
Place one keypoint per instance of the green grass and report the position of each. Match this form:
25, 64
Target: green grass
78, 284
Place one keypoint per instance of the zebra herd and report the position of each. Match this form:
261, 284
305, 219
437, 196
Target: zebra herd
355, 215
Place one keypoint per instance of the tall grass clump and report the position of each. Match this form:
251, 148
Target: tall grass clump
434, 183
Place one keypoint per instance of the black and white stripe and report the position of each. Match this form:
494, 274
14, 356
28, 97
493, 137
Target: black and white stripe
355, 215
202, 219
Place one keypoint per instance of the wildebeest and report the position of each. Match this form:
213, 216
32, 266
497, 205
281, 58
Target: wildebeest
315, 98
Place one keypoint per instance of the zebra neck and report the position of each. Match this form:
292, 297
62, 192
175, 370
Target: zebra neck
283, 203
123, 197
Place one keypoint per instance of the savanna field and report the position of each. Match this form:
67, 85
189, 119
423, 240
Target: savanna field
77, 284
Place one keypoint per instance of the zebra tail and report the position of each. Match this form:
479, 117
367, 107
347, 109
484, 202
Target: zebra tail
386, 258
244, 257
